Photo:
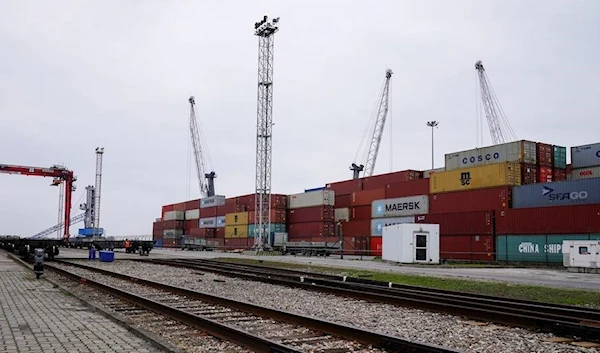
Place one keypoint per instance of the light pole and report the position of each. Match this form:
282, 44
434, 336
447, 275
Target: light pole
432, 124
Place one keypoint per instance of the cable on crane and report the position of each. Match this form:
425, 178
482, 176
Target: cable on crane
369, 129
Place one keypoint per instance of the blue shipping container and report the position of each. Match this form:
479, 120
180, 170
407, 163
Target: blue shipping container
275, 228
158, 243
90, 231
314, 189
561, 193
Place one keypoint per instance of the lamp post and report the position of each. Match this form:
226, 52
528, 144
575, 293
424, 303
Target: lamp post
432, 124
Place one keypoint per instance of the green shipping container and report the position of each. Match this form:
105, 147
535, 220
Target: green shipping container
535, 248
560, 157
275, 228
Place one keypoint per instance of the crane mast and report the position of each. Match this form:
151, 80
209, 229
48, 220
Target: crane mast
206, 181
493, 110
99, 154
265, 31
382, 112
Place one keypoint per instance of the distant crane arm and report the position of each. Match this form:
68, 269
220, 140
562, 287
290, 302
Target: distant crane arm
74, 220
205, 180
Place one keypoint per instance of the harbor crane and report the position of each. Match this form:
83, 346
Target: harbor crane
206, 181
96, 191
382, 112
59, 174
500, 129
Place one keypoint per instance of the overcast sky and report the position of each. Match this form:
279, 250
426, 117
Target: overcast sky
75, 75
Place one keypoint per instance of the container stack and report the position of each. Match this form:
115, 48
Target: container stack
172, 224
585, 162
559, 163
310, 216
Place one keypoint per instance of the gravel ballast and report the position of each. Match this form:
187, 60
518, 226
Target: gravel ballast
413, 324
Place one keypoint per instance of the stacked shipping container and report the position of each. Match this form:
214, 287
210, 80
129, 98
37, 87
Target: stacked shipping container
310, 215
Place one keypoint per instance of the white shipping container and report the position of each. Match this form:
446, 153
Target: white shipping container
221, 221
208, 222
174, 215
342, 214
401, 206
585, 156
411, 243
519, 151
427, 173
172, 233
312, 199
217, 200
192, 214
584, 173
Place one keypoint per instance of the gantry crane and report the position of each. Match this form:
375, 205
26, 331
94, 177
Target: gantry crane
382, 112
206, 181
265, 31
59, 174
500, 129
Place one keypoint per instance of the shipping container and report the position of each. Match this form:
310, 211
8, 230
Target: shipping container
464, 223
427, 173
212, 201
544, 248
342, 214
157, 234
192, 205
487, 176
549, 220
467, 247
171, 242
174, 216
237, 231
585, 173
345, 187
471, 200
342, 201
315, 189
234, 243
559, 157
193, 223
375, 246
203, 232
360, 213
311, 199
167, 208
311, 229
238, 218
528, 174
311, 214
559, 174
545, 174
516, 152
208, 222
248, 202
220, 232
544, 154
380, 181
208, 212
402, 206
221, 221
172, 225
407, 188
192, 214
329, 240
158, 225
366, 197
275, 228
172, 233
356, 229
228, 207
377, 224
585, 156
277, 216
562, 193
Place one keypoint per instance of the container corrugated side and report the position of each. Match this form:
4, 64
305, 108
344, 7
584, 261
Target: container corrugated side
366, 197
528, 174
486, 176
585, 156
464, 223
172, 233
399, 207
498, 198
471, 247
342, 214
237, 218
380, 181
544, 174
585, 173
236, 231
221, 222
559, 174
519, 152
311, 214
376, 246
277, 216
549, 220
544, 248
311, 199
544, 154
174, 216
559, 157
360, 213
212, 201
562, 193
357, 228
377, 224
345, 187
192, 214
407, 188
342, 201
275, 228
193, 204
310, 229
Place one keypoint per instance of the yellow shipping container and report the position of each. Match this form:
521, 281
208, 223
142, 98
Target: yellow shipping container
238, 231
487, 176
238, 218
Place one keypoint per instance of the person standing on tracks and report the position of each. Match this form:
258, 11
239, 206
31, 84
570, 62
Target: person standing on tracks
127, 245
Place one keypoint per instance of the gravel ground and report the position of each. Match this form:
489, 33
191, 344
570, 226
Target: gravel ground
184, 337
414, 324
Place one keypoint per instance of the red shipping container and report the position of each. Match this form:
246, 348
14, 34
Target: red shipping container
528, 174
203, 232
477, 223
192, 223
569, 168
192, 205
360, 213
208, 212
167, 208
157, 234
467, 247
472, 200
559, 174
171, 243
173, 224
364, 198
544, 174
277, 216
229, 207
545, 154
247, 202
345, 187
220, 232
356, 228
157, 226
310, 214
311, 229
376, 246
549, 220
181, 206
407, 188
342, 201
238, 243
380, 181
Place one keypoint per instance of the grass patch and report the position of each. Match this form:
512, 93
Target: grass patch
500, 289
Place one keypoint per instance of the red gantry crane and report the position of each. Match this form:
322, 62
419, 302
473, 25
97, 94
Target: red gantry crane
59, 174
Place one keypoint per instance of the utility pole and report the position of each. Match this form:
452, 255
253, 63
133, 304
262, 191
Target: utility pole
432, 124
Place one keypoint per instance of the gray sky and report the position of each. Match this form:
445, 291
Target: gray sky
79, 74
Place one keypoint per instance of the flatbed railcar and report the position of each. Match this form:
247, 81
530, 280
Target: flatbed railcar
143, 247
25, 248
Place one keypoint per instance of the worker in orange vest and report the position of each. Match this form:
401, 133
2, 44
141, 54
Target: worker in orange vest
127, 245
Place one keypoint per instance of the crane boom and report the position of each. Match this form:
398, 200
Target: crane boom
205, 180
74, 220
493, 110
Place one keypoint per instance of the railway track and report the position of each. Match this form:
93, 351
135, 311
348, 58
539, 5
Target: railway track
563, 320
256, 328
